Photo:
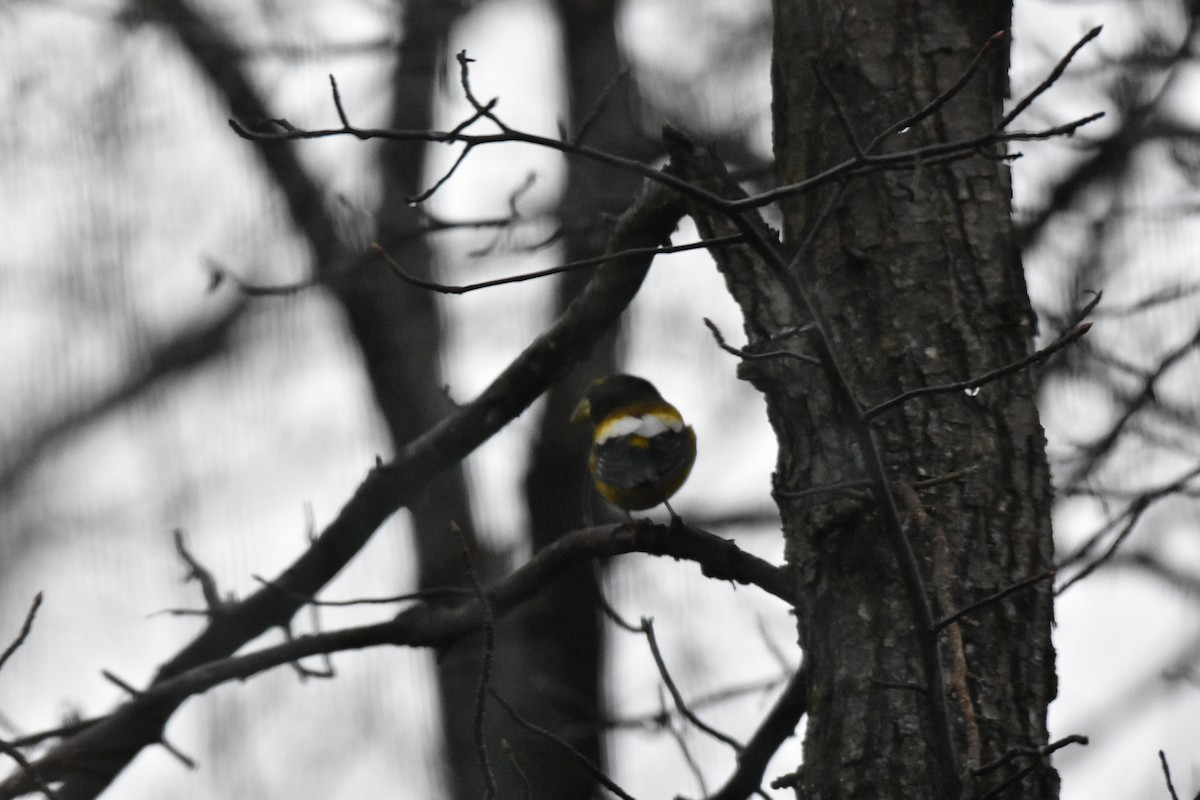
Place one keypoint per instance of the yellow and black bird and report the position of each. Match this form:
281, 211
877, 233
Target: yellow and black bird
642, 451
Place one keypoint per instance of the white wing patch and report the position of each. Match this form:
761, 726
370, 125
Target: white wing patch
647, 425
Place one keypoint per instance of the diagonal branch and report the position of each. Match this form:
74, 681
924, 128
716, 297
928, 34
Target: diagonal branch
424, 625
681, 705
649, 222
778, 725
570, 266
985, 378
23, 634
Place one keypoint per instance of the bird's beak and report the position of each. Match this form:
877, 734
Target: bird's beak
582, 412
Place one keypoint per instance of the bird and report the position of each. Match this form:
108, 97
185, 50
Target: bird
642, 450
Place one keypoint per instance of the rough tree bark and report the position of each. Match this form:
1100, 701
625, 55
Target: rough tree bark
916, 281
919, 282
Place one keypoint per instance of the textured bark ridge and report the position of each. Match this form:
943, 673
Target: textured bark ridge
920, 283
917, 282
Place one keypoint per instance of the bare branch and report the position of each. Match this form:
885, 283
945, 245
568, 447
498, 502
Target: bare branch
1041, 753
1127, 520
1030, 752
23, 634
1098, 450
422, 625
337, 102
482, 109
443, 288
676, 695
598, 107
681, 742
862, 483
843, 120
526, 786
580, 758
1050, 79
863, 163
779, 724
197, 572
1166, 770
944, 97
996, 597
422, 594
485, 671
440, 182
716, 332
985, 378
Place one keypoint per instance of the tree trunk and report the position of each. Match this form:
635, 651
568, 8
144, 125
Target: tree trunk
561, 633
919, 282
399, 328
916, 281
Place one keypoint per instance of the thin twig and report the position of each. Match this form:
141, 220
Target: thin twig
1138, 505
993, 598
598, 107
1166, 770
904, 686
428, 193
1020, 775
1040, 753
121, 684
985, 378
61, 732
716, 332
179, 755
23, 634
443, 288
1147, 394
779, 724
218, 274
580, 758
1050, 79
677, 696
900, 160
337, 103
489, 650
483, 109
303, 672
1030, 752
423, 594
198, 573
526, 786
843, 119
863, 483
656, 720
607, 607
681, 742
942, 98
244, 286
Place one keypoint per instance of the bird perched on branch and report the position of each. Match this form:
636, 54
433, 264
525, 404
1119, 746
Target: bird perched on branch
642, 451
